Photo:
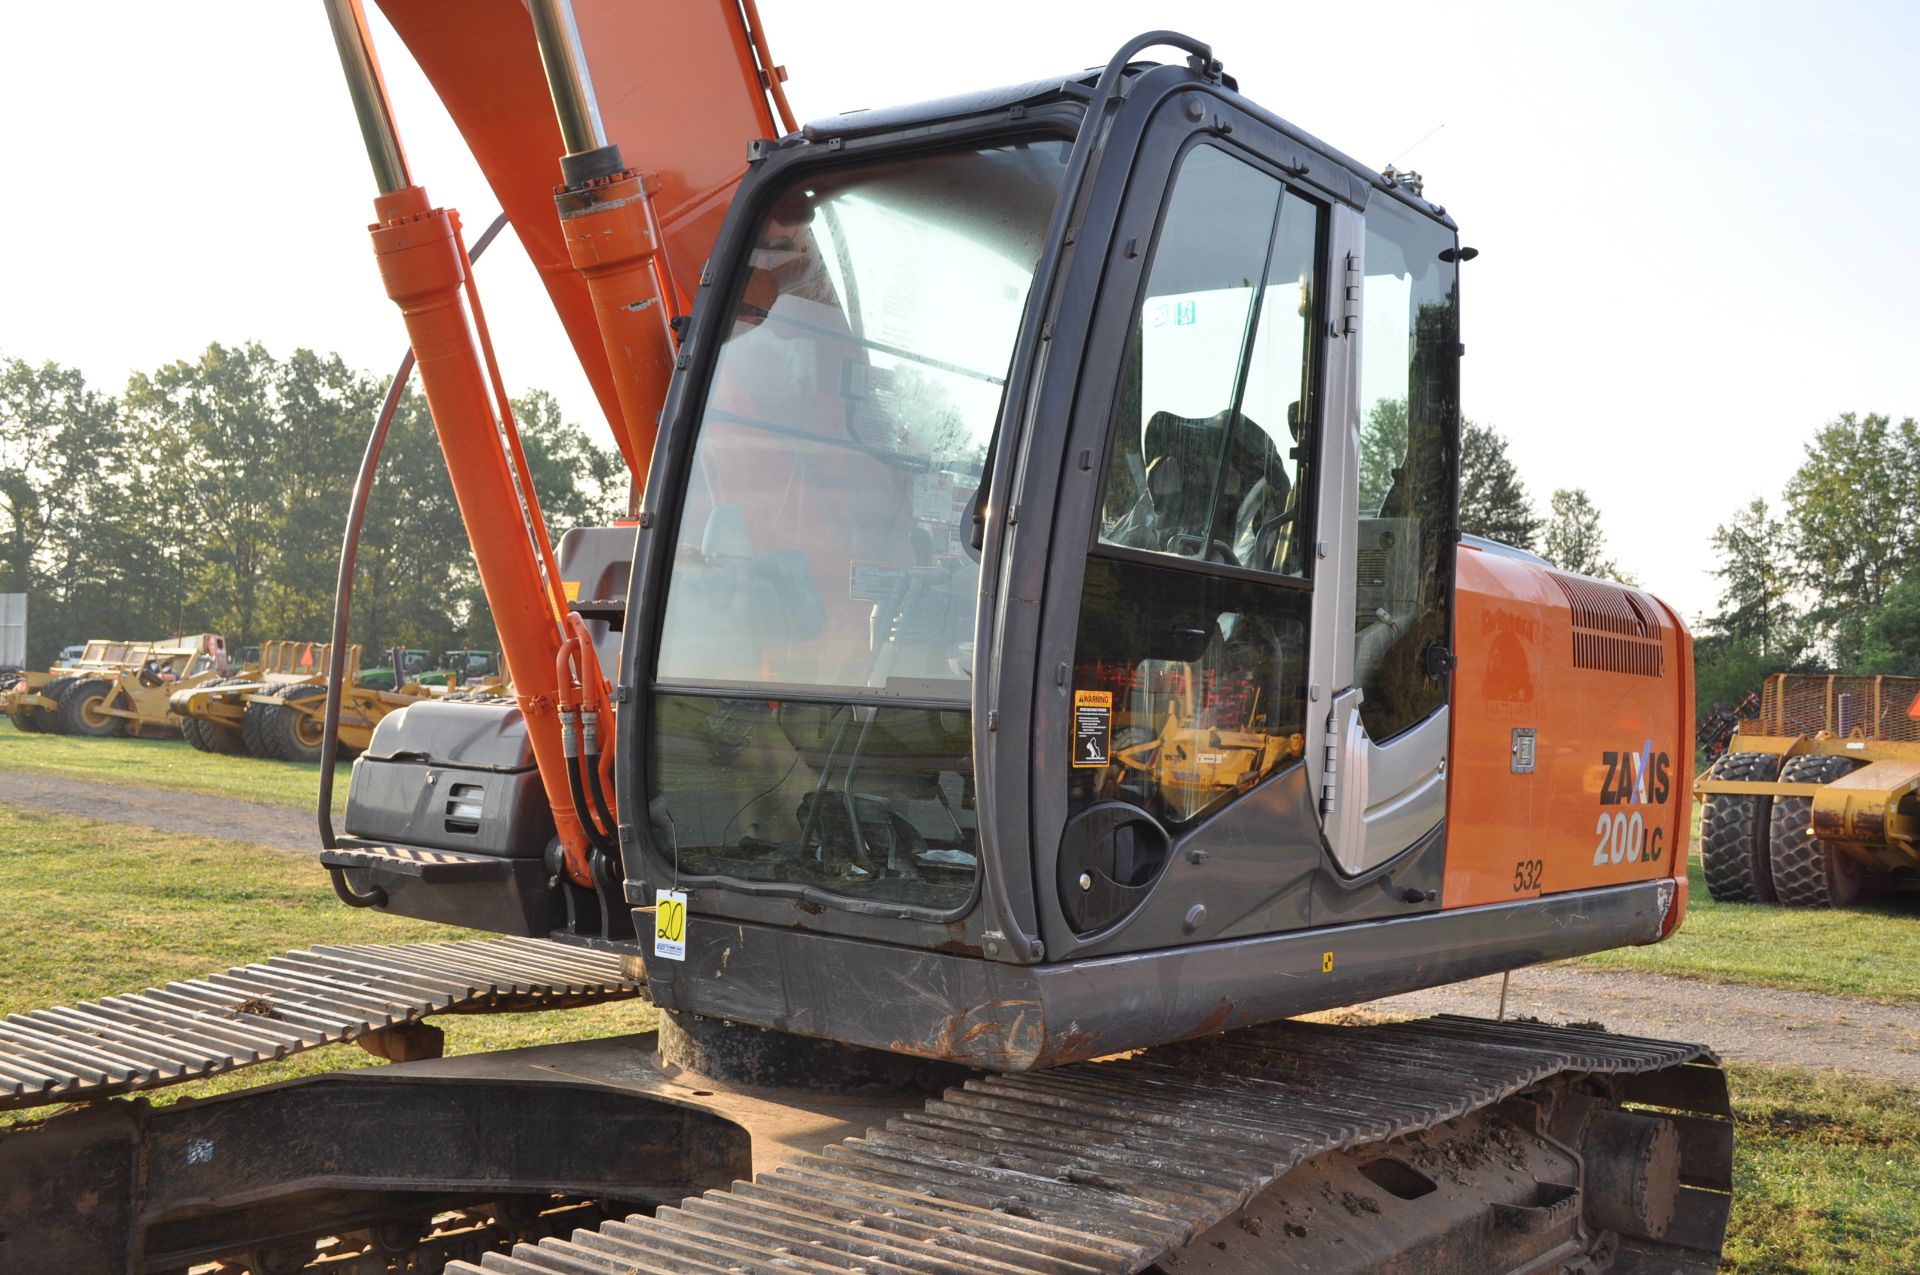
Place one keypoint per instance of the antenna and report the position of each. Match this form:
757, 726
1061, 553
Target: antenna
1394, 162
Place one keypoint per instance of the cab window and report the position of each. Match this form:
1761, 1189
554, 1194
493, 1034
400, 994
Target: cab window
1190, 661
1409, 424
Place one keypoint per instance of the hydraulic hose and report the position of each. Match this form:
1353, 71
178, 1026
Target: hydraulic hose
343, 598
580, 694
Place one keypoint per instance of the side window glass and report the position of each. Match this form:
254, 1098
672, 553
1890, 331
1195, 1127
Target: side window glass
1409, 404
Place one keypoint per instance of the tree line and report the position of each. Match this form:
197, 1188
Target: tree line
1493, 499
209, 495
1827, 580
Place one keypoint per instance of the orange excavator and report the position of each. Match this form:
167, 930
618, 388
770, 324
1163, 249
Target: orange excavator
1016, 697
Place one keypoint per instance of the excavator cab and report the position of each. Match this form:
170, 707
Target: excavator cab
1001, 572
1044, 598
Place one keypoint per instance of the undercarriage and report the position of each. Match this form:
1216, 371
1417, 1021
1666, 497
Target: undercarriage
1448, 1144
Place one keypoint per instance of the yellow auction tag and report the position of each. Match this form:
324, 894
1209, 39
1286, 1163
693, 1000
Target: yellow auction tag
670, 925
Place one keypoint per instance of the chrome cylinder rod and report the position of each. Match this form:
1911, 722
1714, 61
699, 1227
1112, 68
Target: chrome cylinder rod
568, 79
369, 92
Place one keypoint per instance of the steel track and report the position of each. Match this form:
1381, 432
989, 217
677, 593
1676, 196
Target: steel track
1110, 1167
288, 1004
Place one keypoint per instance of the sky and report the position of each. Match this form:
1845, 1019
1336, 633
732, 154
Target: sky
1683, 210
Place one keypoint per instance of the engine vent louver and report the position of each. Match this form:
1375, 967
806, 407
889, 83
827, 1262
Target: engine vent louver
1615, 630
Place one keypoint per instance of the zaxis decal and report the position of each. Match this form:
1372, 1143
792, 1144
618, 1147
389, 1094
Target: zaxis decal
1636, 779
1642, 778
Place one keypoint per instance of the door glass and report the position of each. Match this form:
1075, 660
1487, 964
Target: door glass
1409, 404
1189, 676
1196, 680
1267, 528
1182, 460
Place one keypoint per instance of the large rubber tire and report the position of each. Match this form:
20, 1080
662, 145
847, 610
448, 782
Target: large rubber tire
194, 731
55, 690
226, 740
257, 730
1734, 832
26, 717
80, 710
297, 736
1808, 872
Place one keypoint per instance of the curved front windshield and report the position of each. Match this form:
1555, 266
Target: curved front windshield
825, 538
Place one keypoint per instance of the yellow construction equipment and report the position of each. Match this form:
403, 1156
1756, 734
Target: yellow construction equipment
278, 712
220, 717
117, 688
1816, 802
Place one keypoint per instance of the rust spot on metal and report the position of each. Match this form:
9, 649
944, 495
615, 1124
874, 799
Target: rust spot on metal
810, 907
1216, 1021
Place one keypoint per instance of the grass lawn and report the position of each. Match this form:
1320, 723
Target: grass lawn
89, 915
1869, 952
1826, 1172
167, 763
1827, 1168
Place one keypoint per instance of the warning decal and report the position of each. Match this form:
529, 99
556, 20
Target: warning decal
1092, 727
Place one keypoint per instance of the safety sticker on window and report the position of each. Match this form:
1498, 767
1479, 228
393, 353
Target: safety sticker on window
1092, 727
670, 925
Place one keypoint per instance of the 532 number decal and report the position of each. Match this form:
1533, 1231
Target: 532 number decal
1526, 876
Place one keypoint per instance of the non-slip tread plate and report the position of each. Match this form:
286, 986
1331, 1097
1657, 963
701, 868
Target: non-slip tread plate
1096, 1167
289, 1003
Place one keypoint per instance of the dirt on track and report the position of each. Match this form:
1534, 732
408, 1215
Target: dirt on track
1745, 1024
191, 814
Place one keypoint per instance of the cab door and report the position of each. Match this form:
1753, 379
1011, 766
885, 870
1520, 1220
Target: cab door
1177, 807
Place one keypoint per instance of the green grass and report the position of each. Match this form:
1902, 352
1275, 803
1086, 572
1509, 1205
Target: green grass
1826, 1172
1826, 1168
90, 913
1871, 952
167, 763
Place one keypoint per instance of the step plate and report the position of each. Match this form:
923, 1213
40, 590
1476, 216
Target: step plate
294, 1002
1101, 1167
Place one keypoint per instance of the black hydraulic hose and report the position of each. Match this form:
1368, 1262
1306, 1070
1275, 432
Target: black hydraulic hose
598, 792
597, 863
343, 596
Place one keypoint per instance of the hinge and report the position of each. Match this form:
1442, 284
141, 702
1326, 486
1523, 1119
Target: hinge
1329, 785
1350, 305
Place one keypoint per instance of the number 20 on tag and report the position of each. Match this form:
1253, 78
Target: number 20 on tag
670, 925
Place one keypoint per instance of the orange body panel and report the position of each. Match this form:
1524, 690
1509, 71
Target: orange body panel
679, 93
1608, 799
